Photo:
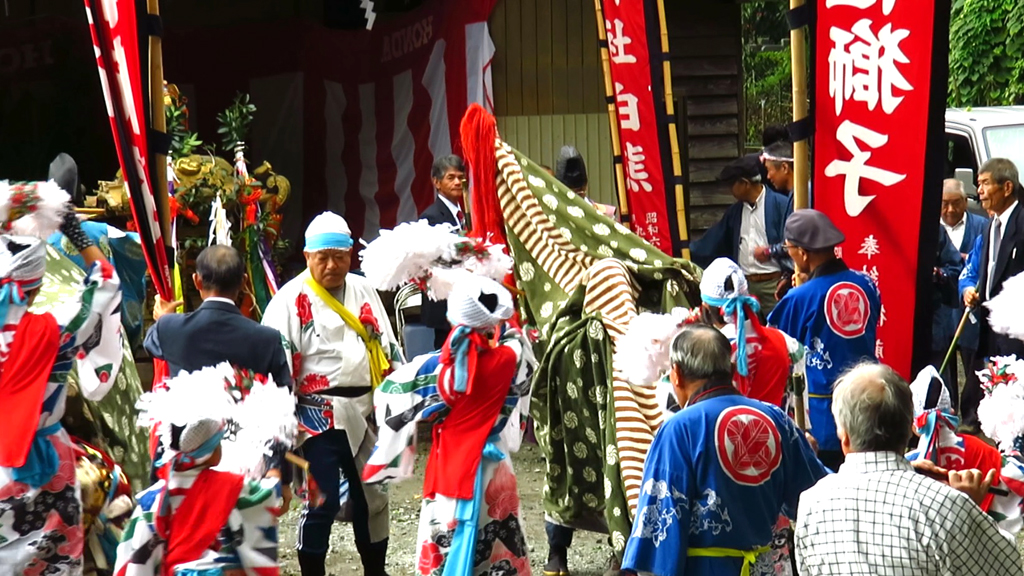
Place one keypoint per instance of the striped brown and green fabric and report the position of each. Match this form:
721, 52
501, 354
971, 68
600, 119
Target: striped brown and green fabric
585, 277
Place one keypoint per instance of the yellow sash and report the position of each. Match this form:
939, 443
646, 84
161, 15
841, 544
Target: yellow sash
749, 556
379, 361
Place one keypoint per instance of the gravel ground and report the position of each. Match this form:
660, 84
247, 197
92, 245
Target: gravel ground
588, 556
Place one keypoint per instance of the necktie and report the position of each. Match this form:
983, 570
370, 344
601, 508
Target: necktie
460, 218
997, 239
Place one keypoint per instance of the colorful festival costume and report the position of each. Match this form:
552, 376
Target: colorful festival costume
935, 422
197, 520
834, 315
717, 478
583, 279
475, 393
342, 346
40, 510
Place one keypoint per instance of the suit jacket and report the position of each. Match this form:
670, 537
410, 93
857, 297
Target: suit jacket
435, 314
723, 239
945, 295
218, 332
1009, 263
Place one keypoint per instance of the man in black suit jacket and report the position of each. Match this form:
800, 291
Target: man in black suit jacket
1002, 258
448, 174
217, 331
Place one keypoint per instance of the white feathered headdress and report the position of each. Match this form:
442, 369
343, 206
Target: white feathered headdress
433, 257
643, 353
199, 409
31, 208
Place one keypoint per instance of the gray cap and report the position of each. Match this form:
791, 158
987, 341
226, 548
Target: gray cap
812, 230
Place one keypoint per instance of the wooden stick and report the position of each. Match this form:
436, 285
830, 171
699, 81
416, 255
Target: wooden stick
297, 460
673, 137
156, 104
956, 340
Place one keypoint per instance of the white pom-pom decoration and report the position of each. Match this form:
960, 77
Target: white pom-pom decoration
1006, 309
32, 209
1001, 414
642, 354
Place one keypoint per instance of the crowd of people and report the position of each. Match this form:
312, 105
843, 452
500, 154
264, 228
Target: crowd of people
731, 483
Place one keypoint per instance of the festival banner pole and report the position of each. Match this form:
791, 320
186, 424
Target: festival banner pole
673, 136
613, 116
801, 157
156, 101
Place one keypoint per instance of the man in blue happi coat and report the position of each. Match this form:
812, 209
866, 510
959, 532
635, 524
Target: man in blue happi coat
718, 474
834, 314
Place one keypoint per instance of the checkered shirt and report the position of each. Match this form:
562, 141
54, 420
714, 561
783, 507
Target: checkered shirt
877, 517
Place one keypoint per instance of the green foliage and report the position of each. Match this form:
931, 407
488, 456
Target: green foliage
234, 122
183, 141
767, 75
986, 53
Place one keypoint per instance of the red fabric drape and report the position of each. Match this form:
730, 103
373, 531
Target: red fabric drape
23, 379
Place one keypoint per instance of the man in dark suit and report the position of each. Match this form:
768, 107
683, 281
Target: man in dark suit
1002, 257
448, 174
749, 227
962, 228
217, 331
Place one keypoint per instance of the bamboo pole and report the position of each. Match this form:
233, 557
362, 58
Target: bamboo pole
156, 102
613, 115
801, 155
673, 137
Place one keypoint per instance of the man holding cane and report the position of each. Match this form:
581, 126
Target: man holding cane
1001, 257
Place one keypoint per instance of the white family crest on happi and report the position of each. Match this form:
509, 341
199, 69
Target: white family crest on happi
864, 67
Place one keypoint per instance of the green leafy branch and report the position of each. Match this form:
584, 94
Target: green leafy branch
234, 122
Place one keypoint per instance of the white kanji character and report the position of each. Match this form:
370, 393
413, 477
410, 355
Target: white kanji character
879, 349
629, 116
857, 167
869, 247
838, 251
882, 318
617, 42
866, 69
653, 230
636, 173
651, 217
862, 4
873, 273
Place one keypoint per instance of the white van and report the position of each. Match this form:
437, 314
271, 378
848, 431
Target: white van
973, 135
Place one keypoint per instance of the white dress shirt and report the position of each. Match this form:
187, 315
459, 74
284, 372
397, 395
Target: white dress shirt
877, 517
956, 231
455, 210
993, 256
752, 235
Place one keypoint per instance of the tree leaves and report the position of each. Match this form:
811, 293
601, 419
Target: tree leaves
986, 53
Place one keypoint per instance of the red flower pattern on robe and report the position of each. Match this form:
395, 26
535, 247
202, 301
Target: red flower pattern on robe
313, 383
304, 309
430, 558
502, 496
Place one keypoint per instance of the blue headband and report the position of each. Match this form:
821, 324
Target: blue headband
328, 241
736, 306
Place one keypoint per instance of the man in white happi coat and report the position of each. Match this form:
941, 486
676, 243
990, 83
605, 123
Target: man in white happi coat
342, 345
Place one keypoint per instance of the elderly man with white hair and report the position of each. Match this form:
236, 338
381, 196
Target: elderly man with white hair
879, 517
342, 346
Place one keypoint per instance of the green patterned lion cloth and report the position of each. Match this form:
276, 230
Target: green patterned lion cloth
585, 277
110, 423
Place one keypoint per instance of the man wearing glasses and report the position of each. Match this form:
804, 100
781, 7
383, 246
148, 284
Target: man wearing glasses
341, 345
833, 313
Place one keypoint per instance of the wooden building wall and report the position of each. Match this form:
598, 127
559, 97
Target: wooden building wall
549, 86
707, 82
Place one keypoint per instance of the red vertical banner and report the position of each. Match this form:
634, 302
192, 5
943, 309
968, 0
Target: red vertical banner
115, 38
630, 62
873, 71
